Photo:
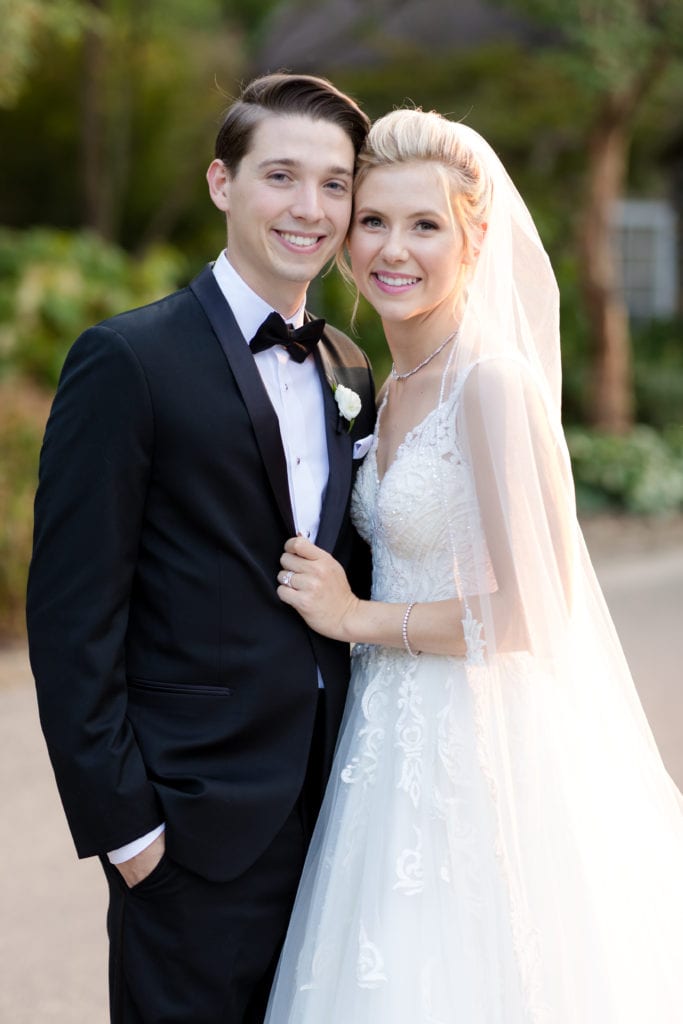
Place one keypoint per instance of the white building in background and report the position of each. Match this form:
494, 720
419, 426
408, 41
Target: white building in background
646, 238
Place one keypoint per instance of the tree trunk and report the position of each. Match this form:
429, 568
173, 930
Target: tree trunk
125, 69
98, 212
611, 399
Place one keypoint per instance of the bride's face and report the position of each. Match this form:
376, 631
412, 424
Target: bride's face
405, 246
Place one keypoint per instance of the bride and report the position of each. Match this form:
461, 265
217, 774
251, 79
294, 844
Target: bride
499, 841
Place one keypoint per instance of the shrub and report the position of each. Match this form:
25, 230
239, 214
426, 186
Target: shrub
641, 472
23, 412
658, 371
54, 284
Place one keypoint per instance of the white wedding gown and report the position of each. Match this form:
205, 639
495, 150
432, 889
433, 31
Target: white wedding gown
411, 908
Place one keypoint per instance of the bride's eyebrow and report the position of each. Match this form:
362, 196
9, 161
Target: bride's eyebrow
426, 212
417, 215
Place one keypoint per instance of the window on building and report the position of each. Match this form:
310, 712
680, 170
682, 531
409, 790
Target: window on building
645, 238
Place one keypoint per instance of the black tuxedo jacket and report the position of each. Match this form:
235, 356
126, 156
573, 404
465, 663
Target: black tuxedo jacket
172, 682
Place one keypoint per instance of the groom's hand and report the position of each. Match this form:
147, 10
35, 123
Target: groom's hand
137, 868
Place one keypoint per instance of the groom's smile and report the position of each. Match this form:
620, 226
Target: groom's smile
296, 241
288, 205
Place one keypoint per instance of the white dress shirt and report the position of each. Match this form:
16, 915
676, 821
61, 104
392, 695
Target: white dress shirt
295, 391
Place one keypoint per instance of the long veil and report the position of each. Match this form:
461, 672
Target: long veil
589, 824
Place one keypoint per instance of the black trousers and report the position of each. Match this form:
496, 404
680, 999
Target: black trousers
184, 950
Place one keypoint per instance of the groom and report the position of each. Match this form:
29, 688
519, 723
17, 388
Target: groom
190, 715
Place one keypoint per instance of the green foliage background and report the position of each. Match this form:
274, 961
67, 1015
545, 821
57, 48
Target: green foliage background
168, 71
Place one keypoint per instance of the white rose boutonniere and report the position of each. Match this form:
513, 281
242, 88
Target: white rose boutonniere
348, 403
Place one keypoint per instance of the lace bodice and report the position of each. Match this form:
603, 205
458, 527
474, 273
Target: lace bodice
416, 518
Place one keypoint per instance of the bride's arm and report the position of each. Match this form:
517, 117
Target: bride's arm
320, 592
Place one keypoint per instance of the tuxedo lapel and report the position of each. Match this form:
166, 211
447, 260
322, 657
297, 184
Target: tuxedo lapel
263, 416
339, 453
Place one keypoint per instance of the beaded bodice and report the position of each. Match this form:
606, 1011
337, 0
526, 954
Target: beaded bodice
418, 517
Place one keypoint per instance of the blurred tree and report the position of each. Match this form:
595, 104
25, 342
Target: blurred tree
130, 47
115, 125
249, 17
618, 53
24, 22
97, 170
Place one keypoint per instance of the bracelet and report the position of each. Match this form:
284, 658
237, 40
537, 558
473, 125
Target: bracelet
404, 631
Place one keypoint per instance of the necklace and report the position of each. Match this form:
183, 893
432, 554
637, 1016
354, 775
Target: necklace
432, 355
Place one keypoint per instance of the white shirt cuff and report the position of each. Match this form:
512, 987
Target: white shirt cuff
137, 846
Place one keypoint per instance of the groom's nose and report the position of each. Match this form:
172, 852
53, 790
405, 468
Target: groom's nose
307, 204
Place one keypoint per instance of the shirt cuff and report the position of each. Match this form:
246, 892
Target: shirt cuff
125, 853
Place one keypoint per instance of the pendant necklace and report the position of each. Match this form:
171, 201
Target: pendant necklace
409, 373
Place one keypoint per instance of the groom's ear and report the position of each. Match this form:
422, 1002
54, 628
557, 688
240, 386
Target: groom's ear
219, 179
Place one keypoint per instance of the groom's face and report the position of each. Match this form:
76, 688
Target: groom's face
288, 204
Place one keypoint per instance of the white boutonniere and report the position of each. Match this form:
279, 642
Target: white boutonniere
348, 403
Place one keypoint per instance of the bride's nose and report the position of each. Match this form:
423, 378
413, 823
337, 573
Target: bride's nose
394, 249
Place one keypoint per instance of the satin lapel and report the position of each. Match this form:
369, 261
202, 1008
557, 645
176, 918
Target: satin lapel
339, 453
263, 416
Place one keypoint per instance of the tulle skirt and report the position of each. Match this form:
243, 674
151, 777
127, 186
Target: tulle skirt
457, 879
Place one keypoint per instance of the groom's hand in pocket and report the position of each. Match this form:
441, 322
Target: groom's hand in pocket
143, 864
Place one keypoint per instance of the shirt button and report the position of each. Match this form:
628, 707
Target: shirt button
285, 387
298, 461
308, 533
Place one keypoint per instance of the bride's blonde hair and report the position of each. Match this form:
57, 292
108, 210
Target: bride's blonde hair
410, 135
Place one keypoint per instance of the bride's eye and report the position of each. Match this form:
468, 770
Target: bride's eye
370, 221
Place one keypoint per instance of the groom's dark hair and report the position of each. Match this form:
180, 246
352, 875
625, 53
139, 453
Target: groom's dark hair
284, 93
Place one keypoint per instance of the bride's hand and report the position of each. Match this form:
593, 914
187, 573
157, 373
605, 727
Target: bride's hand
314, 583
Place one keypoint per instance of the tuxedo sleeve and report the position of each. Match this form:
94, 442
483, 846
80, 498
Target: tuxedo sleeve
94, 471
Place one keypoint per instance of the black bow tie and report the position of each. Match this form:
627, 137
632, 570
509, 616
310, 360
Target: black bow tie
299, 341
